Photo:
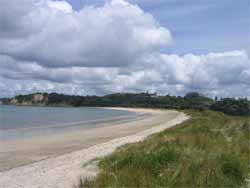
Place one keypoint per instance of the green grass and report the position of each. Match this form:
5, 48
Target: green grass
209, 150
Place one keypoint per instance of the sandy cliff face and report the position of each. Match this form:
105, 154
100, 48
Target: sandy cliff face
34, 99
13, 101
39, 98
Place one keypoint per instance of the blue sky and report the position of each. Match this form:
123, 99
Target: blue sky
197, 26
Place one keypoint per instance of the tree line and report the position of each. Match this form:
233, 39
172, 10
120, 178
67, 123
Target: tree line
192, 100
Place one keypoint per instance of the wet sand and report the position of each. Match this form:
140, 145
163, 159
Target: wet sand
56, 161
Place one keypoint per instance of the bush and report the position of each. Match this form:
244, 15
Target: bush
232, 168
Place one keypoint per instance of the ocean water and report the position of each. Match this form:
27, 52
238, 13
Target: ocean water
26, 121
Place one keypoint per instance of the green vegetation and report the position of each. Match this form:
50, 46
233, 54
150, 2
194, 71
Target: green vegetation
232, 106
209, 150
191, 100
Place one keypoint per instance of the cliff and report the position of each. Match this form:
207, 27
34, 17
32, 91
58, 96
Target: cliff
40, 99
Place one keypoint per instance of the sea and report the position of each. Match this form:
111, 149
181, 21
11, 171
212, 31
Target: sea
20, 122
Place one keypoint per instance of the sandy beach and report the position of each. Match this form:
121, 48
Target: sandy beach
57, 161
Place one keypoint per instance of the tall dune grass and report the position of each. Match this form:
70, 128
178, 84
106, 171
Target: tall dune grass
209, 150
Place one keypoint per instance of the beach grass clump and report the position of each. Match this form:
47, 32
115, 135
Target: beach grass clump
208, 150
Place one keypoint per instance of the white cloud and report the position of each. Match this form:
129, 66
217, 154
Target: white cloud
61, 6
211, 70
47, 46
116, 34
213, 74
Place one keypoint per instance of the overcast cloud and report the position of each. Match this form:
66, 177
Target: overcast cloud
117, 47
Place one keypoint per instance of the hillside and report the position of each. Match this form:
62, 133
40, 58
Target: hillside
191, 100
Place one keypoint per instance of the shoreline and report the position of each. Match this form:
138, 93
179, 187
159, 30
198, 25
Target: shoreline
22, 151
64, 168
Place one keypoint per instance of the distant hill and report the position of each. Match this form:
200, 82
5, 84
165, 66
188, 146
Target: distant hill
191, 100
2, 100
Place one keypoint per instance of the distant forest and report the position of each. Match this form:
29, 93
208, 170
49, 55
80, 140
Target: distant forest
191, 100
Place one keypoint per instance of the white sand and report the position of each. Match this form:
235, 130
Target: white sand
64, 171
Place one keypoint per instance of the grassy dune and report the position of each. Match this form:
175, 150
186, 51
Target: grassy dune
209, 150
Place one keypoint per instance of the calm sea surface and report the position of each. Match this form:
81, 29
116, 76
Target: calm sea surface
26, 121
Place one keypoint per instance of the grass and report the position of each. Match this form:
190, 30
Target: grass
209, 150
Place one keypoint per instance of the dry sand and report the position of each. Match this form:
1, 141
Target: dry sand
57, 162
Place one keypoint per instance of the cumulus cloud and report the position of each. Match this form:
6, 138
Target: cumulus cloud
220, 74
210, 69
53, 35
61, 6
47, 46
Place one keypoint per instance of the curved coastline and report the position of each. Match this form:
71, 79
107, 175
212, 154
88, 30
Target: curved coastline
61, 164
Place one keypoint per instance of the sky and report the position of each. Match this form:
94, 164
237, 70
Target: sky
97, 47
209, 25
